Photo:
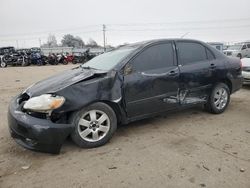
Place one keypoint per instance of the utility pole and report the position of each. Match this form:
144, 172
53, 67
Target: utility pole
39, 42
104, 36
17, 44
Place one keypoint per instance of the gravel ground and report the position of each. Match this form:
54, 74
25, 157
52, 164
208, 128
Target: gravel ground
191, 148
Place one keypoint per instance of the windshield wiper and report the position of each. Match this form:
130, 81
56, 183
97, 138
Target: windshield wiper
88, 67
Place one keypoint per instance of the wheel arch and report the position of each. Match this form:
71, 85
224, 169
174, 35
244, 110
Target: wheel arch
228, 82
116, 108
120, 115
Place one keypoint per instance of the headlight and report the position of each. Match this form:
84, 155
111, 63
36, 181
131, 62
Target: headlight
44, 103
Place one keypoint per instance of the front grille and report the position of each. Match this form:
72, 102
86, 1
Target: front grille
23, 97
229, 53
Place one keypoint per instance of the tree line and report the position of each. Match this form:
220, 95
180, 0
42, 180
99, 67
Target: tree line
69, 40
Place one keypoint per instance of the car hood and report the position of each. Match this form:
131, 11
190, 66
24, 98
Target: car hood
61, 81
230, 50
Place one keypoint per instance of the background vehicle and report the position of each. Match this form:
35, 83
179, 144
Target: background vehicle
7, 50
217, 45
11, 57
133, 82
246, 70
79, 58
2, 63
52, 59
3, 51
239, 50
69, 58
61, 59
36, 58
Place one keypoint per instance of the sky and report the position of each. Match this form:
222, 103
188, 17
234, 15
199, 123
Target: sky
27, 23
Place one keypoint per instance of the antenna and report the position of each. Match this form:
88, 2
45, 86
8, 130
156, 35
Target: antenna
185, 34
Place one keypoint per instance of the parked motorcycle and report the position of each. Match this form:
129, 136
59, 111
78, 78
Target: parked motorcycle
70, 58
88, 55
36, 59
52, 59
14, 59
2, 63
61, 59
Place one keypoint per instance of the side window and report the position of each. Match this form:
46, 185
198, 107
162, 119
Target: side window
210, 56
248, 45
218, 48
190, 52
154, 57
244, 47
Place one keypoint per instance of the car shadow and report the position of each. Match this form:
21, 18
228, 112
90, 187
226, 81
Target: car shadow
246, 87
136, 127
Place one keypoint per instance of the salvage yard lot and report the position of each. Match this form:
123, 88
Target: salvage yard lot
191, 148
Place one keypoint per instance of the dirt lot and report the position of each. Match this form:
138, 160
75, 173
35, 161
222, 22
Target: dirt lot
191, 148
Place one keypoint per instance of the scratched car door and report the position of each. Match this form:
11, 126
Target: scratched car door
152, 86
197, 72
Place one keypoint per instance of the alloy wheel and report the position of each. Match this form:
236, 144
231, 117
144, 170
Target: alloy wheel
220, 98
93, 125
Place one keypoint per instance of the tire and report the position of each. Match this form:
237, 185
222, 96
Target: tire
218, 99
239, 56
3, 64
65, 62
25, 62
89, 132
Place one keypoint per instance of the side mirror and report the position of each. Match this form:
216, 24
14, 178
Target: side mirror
127, 69
243, 48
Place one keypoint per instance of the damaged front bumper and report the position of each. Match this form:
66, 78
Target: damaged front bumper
35, 133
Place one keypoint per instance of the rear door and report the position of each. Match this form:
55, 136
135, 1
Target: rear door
197, 71
153, 81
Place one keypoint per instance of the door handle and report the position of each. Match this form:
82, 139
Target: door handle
212, 66
172, 73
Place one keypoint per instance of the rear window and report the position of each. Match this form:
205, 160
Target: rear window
190, 52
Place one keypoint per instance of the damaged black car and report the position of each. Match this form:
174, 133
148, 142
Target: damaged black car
130, 83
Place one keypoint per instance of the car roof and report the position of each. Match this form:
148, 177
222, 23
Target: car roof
140, 45
148, 42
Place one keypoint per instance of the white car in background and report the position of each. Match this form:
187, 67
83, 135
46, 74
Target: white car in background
239, 50
246, 70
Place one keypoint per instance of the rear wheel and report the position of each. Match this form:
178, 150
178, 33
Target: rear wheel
65, 62
94, 125
219, 99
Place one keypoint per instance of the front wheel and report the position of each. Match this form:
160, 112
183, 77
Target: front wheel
3, 64
219, 99
94, 125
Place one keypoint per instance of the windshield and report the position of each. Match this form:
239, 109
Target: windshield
108, 60
235, 47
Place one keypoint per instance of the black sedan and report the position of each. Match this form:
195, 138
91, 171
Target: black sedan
127, 84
